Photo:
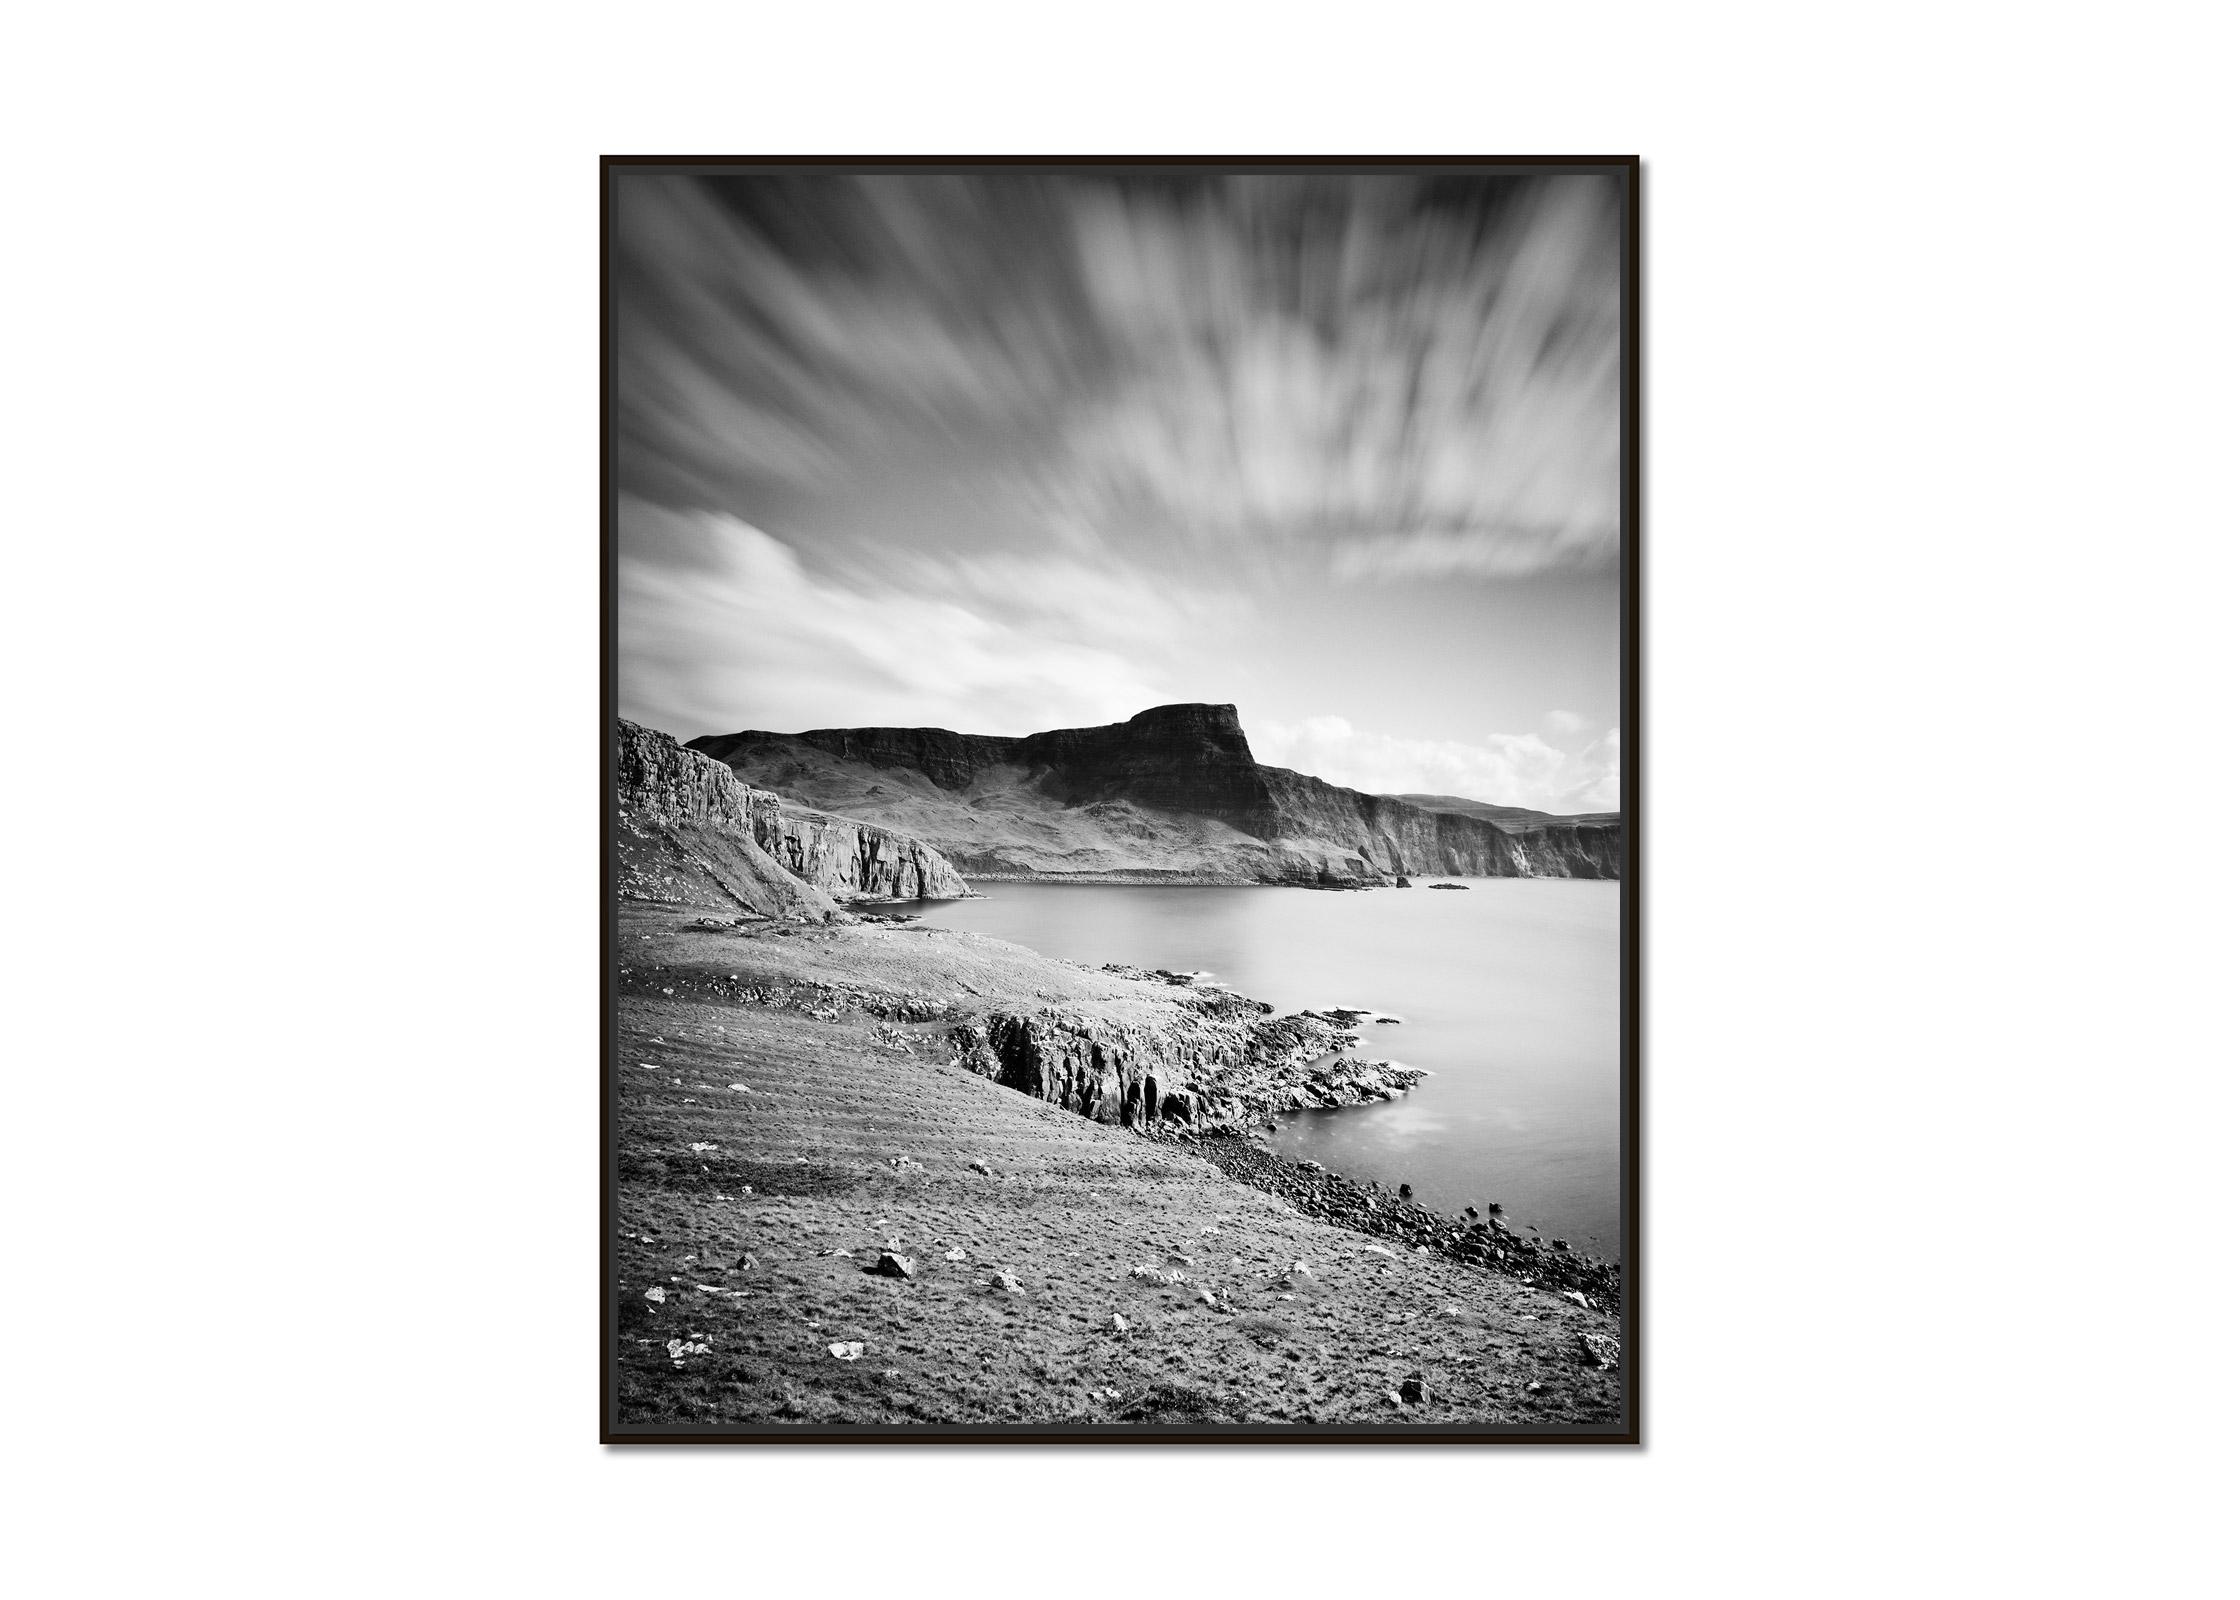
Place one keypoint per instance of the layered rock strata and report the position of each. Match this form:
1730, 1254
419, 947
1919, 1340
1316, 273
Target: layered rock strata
849, 859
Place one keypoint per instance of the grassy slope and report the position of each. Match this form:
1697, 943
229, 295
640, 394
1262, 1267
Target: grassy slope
1000, 825
848, 1142
1514, 818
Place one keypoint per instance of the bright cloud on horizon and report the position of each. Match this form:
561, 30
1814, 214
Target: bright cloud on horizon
1501, 769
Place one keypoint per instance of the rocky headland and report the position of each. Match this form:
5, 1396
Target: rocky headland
1171, 795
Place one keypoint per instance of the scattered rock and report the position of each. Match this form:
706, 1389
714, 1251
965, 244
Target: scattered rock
847, 1350
1412, 1389
890, 1265
1598, 1350
1006, 1282
657, 1295
981, 1167
954, 1255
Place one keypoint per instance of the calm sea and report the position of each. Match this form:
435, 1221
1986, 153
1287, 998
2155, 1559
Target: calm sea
1509, 994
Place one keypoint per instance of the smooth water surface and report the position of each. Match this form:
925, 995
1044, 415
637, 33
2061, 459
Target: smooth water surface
1509, 993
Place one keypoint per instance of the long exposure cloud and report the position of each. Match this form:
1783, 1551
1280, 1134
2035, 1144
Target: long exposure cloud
1014, 452
1422, 378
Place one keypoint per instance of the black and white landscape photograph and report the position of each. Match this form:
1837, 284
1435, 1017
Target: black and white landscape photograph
1120, 842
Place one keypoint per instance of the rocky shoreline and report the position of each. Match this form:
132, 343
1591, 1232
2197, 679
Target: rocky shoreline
825, 1215
1372, 1209
1206, 1072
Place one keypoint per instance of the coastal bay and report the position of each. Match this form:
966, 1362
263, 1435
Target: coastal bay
789, 1090
1507, 995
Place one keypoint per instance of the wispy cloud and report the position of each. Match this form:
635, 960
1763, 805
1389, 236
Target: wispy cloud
723, 627
1596, 785
1089, 600
1519, 769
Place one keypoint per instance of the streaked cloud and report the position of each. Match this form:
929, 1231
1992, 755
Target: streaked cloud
1477, 553
1093, 600
1343, 364
1011, 452
1422, 379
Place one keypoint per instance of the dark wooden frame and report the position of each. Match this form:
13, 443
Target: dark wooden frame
1627, 169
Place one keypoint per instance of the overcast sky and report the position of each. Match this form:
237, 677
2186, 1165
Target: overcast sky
1011, 453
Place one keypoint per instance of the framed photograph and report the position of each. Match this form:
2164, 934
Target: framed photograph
1121, 800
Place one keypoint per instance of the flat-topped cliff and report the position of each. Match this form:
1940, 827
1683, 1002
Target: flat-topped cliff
1172, 794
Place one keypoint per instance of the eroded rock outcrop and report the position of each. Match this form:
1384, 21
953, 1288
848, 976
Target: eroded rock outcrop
1220, 1061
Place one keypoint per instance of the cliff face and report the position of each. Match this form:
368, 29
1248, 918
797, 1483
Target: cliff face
847, 858
684, 832
689, 831
1171, 794
1187, 758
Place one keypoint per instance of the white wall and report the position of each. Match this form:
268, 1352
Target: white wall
303, 395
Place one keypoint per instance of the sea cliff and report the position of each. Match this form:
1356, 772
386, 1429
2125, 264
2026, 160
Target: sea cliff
1171, 795
688, 831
